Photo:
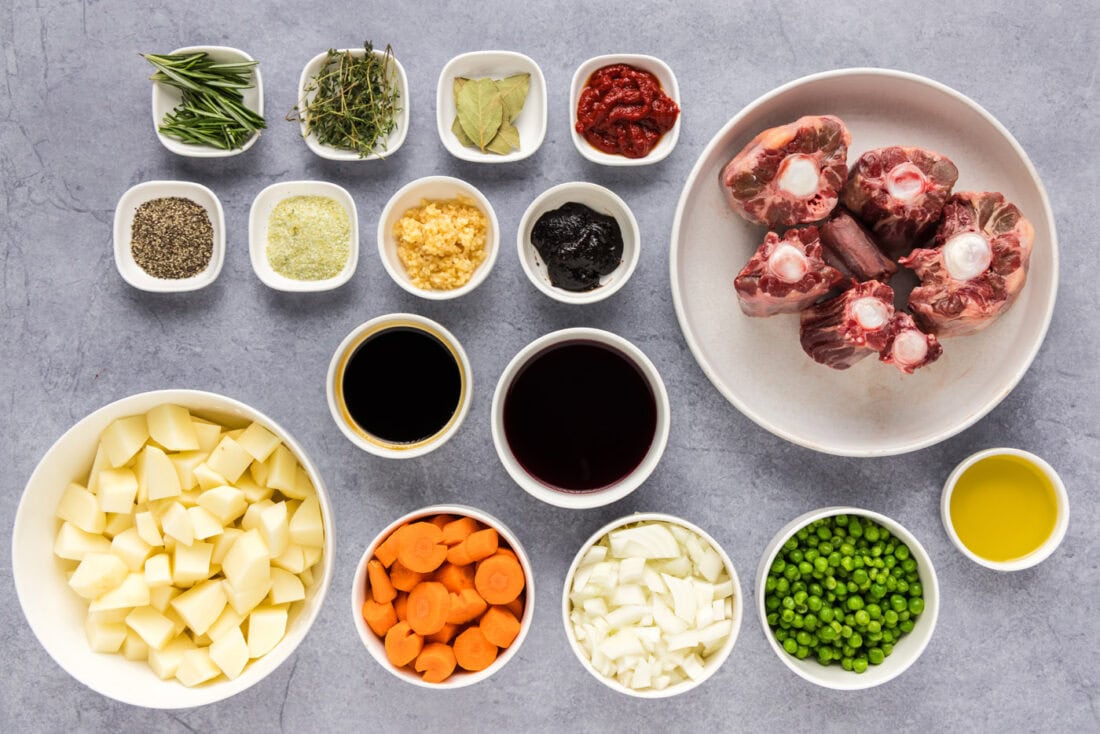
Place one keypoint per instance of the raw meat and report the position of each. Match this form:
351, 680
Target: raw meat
899, 193
785, 275
977, 268
907, 347
790, 174
843, 330
850, 249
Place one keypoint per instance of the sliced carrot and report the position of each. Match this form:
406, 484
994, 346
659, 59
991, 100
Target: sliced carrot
457, 531
402, 578
477, 546
445, 634
379, 616
516, 607
386, 552
401, 606
455, 578
402, 644
436, 661
429, 604
465, 606
441, 521
499, 579
499, 626
380, 587
420, 547
507, 552
473, 651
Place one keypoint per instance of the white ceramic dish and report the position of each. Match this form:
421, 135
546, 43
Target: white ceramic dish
460, 678
166, 98
393, 141
56, 614
595, 498
758, 364
531, 121
415, 193
334, 380
1041, 553
654, 66
259, 215
906, 650
603, 201
137, 195
710, 665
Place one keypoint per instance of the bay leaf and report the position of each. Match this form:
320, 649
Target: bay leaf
459, 82
513, 92
480, 110
456, 128
506, 140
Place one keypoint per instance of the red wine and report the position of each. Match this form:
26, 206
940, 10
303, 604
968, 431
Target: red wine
580, 416
402, 385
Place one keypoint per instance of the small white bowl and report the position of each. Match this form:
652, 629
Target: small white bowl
56, 615
594, 498
906, 650
460, 678
259, 215
1039, 554
603, 201
531, 121
712, 663
393, 141
654, 66
415, 193
335, 396
166, 98
137, 195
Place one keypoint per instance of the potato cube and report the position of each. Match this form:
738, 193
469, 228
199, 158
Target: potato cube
191, 563
292, 559
97, 574
306, 527
107, 616
222, 544
156, 474
166, 660
177, 523
230, 653
282, 470
207, 477
201, 605
225, 503
132, 592
251, 518
161, 596
226, 622
185, 463
171, 427
124, 438
258, 471
105, 636
311, 554
196, 667
274, 528
158, 571
133, 647
208, 434
73, 544
285, 587
178, 625
303, 485
306, 577
247, 564
229, 459
190, 498
148, 529
118, 522
266, 627
253, 492
81, 508
116, 489
154, 629
99, 463
204, 524
243, 602
258, 441
129, 546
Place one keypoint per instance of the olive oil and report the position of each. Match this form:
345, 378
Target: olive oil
1003, 508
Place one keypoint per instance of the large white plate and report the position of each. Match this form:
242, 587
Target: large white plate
758, 364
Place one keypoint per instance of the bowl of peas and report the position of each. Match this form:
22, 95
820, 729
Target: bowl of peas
848, 598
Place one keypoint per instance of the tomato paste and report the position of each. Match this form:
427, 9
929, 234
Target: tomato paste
624, 111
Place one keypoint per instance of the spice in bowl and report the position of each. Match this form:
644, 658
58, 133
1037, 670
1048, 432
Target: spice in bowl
442, 243
308, 238
578, 245
623, 111
172, 238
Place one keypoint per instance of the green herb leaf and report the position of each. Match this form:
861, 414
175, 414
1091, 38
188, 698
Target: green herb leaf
513, 92
506, 140
459, 82
480, 110
456, 128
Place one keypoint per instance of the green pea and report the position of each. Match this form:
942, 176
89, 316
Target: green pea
875, 611
834, 559
814, 603
805, 568
771, 603
904, 615
788, 602
782, 586
810, 622
915, 589
841, 520
874, 636
860, 577
815, 589
871, 533
874, 626
802, 652
824, 533
855, 602
798, 621
827, 633
902, 552
846, 632
778, 565
773, 619
852, 587
826, 614
791, 572
878, 591
781, 634
875, 656
903, 586
887, 648
906, 626
790, 545
859, 665
890, 561
769, 585
916, 605
862, 618
795, 556
889, 636
858, 562
802, 534
898, 603
790, 645
855, 640
810, 555
876, 551
909, 565
890, 617
787, 615
830, 582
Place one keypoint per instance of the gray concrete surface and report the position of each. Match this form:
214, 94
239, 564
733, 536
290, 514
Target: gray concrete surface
1012, 652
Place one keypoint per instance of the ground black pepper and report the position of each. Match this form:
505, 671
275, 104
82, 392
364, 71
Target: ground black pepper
172, 238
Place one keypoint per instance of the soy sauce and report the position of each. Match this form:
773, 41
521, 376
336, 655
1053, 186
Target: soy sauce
402, 385
580, 416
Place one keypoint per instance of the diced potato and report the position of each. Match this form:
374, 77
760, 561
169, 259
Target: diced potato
105, 636
196, 667
306, 577
201, 605
154, 629
229, 459
274, 528
204, 524
158, 571
166, 660
133, 647
81, 508
303, 485
228, 621
191, 563
116, 489
161, 596
157, 477
292, 559
223, 543
311, 554
266, 626
118, 522
108, 616
306, 527
247, 564
254, 491
258, 471
132, 592
99, 463
251, 518
230, 653
282, 470
73, 544
148, 529
178, 625
285, 587
207, 477
171, 427
185, 463
258, 441
124, 438
245, 601
177, 523
129, 546
190, 498
97, 574
226, 503
208, 435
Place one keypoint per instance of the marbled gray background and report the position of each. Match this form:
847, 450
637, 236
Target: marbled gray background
1012, 652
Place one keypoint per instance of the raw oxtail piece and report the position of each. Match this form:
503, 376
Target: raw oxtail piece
977, 267
791, 174
843, 330
907, 347
899, 193
785, 274
851, 249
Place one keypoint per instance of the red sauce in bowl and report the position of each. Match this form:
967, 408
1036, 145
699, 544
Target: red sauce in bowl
623, 111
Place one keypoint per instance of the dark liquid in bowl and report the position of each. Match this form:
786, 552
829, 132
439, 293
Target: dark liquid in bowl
402, 385
580, 416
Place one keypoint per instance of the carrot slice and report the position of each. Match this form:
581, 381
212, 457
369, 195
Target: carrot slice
477, 546
420, 547
429, 604
499, 579
465, 606
401, 606
441, 521
386, 552
516, 607
445, 634
499, 626
436, 661
380, 587
379, 616
473, 651
402, 645
507, 552
455, 578
402, 578
458, 530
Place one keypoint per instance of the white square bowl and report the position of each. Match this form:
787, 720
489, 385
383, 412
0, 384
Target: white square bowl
395, 138
166, 98
531, 121
654, 66
258, 216
137, 195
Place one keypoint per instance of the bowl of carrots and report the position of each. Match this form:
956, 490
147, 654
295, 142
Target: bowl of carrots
443, 596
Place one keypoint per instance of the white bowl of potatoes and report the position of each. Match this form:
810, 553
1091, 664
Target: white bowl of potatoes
172, 548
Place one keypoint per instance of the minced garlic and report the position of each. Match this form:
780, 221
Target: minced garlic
441, 243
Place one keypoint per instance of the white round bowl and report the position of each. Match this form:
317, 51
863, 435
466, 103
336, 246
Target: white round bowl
415, 193
348, 426
712, 663
56, 614
1041, 553
137, 195
393, 141
599, 199
460, 678
260, 214
758, 364
166, 98
654, 66
594, 498
906, 650
531, 121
